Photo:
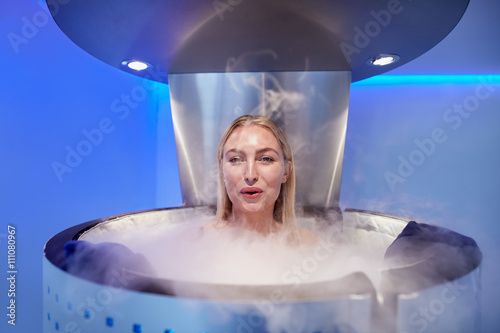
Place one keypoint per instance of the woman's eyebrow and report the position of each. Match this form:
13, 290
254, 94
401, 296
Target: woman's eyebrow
234, 150
260, 151
264, 150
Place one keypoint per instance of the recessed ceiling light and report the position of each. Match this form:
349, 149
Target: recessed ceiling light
383, 59
137, 65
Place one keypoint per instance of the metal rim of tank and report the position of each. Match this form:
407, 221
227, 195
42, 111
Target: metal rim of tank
54, 252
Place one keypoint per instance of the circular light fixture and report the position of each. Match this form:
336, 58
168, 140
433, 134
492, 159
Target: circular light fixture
383, 59
137, 65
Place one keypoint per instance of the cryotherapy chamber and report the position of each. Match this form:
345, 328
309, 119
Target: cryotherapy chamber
293, 62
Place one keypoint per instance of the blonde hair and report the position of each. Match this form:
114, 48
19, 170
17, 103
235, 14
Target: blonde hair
284, 208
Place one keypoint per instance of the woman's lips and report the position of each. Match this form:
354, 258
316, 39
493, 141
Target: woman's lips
251, 192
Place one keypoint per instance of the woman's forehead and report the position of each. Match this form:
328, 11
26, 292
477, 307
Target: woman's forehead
251, 137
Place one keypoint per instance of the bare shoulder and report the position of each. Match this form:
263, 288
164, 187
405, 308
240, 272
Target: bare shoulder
308, 237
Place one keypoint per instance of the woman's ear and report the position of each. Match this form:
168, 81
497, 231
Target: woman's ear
288, 171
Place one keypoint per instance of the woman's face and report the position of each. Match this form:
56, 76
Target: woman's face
254, 169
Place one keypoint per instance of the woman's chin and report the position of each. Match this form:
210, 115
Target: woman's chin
253, 208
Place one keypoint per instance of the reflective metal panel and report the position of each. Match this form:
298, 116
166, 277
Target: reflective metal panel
128, 300
311, 107
203, 36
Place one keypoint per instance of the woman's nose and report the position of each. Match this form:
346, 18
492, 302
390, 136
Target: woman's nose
251, 173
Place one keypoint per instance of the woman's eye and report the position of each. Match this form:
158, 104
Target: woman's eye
266, 159
235, 160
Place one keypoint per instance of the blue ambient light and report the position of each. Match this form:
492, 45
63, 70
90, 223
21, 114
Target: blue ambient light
383, 80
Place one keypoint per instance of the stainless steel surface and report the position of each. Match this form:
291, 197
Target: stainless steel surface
453, 306
201, 36
72, 304
311, 107
75, 304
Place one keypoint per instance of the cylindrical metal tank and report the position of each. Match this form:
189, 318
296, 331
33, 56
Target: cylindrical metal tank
128, 300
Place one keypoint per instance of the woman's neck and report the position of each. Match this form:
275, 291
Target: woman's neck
261, 223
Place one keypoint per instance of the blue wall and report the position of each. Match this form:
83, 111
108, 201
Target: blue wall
52, 93
428, 147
